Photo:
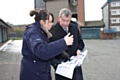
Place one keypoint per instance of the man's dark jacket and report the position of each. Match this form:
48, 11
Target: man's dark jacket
58, 32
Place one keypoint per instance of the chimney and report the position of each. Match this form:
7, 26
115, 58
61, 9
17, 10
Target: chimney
81, 13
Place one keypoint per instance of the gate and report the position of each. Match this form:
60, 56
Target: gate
90, 33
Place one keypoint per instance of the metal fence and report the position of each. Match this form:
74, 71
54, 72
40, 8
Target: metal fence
15, 35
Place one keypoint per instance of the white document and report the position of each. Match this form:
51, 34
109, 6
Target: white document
66, 69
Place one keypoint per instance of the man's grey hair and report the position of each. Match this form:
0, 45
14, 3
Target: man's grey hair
66, 12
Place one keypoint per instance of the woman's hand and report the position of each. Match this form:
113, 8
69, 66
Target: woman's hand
69, 39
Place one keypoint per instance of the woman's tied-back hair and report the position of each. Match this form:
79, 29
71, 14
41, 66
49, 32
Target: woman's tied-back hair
65, 11
40, 15
52, 17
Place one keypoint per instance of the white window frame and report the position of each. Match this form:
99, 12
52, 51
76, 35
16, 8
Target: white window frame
115, 10
115, 20
119, 3
117, 28
115, 4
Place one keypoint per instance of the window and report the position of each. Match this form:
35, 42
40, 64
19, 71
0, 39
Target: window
113, 4
113, 12
114, 29
119, 3
114, 20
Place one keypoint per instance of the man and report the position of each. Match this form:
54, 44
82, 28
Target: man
59, 30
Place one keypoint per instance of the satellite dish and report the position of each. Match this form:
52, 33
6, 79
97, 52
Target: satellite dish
73, 2
74, 19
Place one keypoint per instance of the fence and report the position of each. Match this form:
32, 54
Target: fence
15, 35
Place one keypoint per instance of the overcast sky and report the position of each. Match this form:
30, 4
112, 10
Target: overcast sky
17, 11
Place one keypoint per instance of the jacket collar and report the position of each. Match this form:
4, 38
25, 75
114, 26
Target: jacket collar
58, 26
38, 26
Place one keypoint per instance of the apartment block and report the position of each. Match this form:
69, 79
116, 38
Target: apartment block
111, 16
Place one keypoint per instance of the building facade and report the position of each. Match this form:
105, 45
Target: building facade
111, 16
4, 29
54, 6
89, 29
39, 4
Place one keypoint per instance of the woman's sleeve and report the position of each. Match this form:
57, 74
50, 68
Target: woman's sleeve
45, 50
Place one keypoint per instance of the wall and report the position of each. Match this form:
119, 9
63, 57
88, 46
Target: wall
107, 35
105, 13
3, 34
39, 4
81, 12
90, 33
55, 6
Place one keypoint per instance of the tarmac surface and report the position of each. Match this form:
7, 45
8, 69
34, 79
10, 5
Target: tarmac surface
104, 60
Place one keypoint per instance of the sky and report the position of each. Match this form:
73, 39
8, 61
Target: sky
17, 11
93, 9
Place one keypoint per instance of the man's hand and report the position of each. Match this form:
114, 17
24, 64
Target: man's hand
69, 39
78, 52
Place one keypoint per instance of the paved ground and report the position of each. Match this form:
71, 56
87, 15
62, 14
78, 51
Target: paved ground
104, 60
10, 61
104, 56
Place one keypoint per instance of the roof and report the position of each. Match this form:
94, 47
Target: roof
108, 2
94, 24
104, 5
49, 0
4, 24
112, 0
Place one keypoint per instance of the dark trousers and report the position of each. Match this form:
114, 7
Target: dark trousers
77, 75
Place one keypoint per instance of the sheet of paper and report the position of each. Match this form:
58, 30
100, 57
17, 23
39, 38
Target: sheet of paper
66, 69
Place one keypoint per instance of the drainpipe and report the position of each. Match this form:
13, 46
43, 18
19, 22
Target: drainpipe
35, 4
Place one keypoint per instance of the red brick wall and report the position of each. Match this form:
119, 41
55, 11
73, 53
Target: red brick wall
81, 13
107, 35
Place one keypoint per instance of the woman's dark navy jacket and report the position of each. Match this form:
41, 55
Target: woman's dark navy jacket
37, 53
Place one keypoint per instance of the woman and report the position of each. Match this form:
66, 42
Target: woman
37, 51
